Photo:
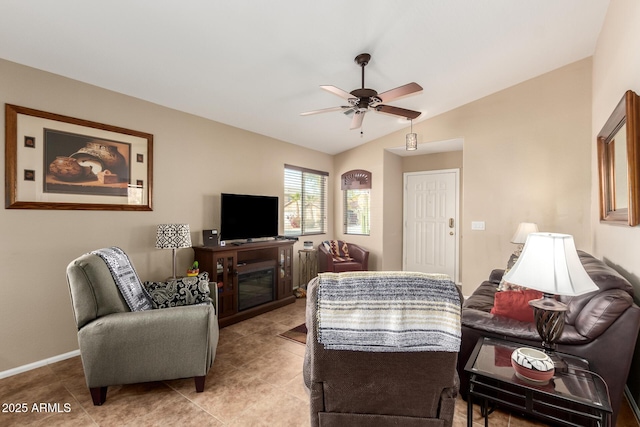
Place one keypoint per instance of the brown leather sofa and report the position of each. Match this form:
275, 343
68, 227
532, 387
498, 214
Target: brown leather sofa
362, 389
601, 327
326, 262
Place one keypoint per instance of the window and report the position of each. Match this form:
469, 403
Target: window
305, 201
356, 185
356, 212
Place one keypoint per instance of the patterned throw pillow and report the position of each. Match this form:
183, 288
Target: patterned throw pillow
182, 291
338, 249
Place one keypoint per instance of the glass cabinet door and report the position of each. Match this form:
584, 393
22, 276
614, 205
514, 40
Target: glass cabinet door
227, 282
285, 281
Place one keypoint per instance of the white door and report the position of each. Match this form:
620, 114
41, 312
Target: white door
430, 235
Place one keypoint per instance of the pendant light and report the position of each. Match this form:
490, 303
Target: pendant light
412, 139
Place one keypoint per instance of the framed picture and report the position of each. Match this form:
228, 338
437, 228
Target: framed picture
77, 164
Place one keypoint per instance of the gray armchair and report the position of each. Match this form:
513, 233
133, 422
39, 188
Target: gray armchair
369, 388
118, 346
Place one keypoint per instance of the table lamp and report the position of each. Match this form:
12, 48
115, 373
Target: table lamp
524, 229
550, 264
173, 236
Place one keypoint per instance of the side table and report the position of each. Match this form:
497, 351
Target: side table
573, 397
308, 266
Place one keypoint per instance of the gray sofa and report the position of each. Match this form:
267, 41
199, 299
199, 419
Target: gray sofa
601, 326
118, 346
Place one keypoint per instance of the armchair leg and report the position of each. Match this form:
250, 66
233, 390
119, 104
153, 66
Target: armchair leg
199, 383
98, 395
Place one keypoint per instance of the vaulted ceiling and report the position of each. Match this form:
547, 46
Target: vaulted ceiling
257, 65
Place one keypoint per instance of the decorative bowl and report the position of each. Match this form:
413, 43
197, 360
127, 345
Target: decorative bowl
532, 364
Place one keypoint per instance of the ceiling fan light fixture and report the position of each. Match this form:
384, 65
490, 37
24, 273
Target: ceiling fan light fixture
412, 140
365, 99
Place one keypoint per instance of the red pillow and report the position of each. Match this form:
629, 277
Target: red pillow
515, 304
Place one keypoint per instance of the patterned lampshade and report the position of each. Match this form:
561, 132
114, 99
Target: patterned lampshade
173, 236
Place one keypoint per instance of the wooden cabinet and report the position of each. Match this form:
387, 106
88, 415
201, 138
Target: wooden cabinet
234, 269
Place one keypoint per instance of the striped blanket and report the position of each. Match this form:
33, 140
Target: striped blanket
125, 277
388, 312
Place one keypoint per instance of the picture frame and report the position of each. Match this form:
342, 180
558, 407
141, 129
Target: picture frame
77, 164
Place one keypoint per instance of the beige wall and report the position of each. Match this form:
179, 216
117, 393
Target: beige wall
616, 69
392, 213
194, 161
526, 157
435, 161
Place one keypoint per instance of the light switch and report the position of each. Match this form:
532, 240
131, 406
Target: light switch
477, 225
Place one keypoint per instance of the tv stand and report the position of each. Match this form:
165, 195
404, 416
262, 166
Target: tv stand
227, 265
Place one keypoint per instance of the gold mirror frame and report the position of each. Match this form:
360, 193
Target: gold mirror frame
626, 113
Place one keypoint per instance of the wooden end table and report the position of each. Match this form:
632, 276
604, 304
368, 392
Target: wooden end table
573, 397
308, 266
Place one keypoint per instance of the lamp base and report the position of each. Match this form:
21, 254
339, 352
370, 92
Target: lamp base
549, 318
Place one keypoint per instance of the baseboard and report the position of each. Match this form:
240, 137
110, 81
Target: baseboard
39, 364
632, 403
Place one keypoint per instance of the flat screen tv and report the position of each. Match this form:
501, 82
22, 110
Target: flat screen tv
244, 216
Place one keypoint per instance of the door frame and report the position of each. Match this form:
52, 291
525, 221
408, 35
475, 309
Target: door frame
458, 226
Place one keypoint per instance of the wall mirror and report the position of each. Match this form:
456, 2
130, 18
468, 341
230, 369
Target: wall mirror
618, 163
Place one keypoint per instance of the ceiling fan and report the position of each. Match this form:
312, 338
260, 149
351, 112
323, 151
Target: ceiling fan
363, 99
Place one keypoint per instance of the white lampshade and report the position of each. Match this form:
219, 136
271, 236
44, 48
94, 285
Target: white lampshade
173, 236
549, 263
524, 229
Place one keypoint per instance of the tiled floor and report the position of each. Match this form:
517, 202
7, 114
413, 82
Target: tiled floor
256, 380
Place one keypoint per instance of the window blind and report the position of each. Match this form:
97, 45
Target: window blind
305, 205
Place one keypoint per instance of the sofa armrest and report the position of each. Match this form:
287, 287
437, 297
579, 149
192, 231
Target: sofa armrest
325, 260
132, 347
601, 311
359, 254
496, 276
504, 326
482, 298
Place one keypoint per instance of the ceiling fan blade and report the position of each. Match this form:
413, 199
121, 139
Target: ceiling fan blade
356, 121
326, 110
397, 111
337, 91
399, 92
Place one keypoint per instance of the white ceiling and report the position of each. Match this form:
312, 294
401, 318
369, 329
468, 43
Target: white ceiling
257, 64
